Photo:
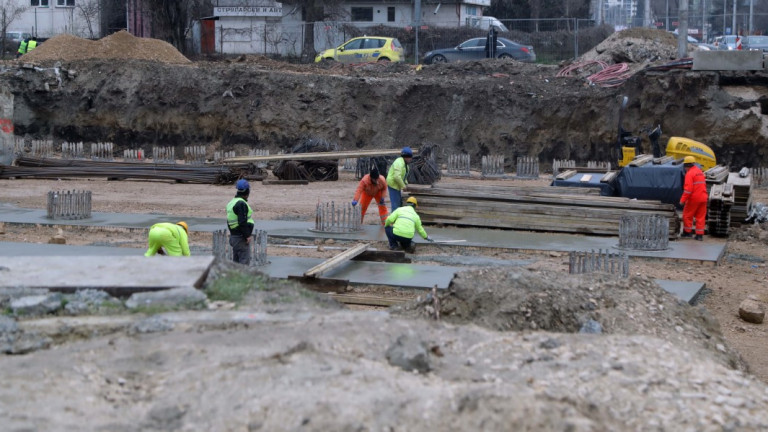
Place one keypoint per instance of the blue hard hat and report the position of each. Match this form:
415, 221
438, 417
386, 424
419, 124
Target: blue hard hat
242, 185
406, 151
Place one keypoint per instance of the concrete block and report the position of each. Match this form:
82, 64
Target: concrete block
727, 60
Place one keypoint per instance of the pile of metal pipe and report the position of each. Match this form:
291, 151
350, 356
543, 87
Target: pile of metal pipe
194, 155
166, 155
527, 167
338, 219
644, 232
102, 151
598, 262
493, 166
223, 250
69, 204
72, 150
458, 165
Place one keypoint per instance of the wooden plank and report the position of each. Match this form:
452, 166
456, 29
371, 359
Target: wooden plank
366, 300
336, 261
315, 156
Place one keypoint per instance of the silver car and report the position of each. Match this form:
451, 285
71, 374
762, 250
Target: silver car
756, 43
724, 43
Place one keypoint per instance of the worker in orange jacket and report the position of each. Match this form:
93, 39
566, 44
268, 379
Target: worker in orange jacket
694, 199
371, 186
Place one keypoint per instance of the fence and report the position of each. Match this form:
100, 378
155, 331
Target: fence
553, 40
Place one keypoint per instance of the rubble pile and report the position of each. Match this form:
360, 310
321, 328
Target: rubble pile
121, 45
636, 45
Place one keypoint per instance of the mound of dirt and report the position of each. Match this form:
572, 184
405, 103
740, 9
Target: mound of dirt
120, 45
548, 301
636, 45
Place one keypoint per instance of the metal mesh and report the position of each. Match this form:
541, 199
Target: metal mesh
527, 167
69, 204
458, 165
598, 262
222, 250
644, 232
493, 166
330, 217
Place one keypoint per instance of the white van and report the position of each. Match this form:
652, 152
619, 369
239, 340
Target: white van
486, 22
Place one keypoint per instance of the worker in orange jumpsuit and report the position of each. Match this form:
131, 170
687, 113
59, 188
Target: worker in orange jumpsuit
371, 186
694, 199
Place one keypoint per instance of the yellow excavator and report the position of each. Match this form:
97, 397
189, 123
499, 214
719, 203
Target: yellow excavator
629, 146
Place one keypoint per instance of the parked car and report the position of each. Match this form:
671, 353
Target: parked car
758, 43
725, 42
365, 49
691, 40
13, 39
474, 49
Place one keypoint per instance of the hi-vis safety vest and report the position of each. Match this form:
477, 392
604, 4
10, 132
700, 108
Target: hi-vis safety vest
232, 217
23, 47
31, 45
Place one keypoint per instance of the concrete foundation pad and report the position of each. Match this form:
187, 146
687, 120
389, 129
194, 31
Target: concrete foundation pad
119, 276
688, 291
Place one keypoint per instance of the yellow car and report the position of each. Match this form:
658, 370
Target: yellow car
365, 49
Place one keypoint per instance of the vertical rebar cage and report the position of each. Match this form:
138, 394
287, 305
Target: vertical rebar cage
527, 167
223, 251
598, 262
644, 232
458, 165
341, 218
493, 166
69, 204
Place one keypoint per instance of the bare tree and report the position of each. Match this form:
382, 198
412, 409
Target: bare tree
89, 10
9, 11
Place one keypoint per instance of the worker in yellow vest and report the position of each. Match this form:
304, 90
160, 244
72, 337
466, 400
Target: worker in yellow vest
168, 239
22, 48
32, 44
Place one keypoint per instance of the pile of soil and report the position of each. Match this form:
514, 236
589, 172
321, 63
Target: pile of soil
637, 46
120, 45
525, 300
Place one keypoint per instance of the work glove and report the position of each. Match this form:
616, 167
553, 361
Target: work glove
354, 203
429, 239
381, 202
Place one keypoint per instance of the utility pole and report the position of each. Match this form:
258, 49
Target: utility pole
667, 15
734, 18
751, 14
682, 30
647, 13
416, 25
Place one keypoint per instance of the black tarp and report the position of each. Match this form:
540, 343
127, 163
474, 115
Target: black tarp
651, 182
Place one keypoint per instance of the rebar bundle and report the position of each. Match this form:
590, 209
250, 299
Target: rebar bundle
310, 170
222, 249
165, 155
219, 155
102, 151
644, 232
194, 155
458, 165
599, 164
493, 166
41, 148
364, 165
562, 163
349, 164
72, 150
423, 168
527, 167
338, 219
598, 262
133, 155
69, 204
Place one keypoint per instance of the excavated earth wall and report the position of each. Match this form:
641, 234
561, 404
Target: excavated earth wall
488, 107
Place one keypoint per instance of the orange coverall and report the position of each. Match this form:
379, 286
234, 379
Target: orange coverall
695, 200
367, 190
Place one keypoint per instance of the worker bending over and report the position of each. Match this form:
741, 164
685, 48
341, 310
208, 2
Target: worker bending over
402, 225
240, 223
168, 239
397, 177
694, 199
371, 186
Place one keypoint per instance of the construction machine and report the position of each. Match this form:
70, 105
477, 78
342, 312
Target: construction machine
629, 146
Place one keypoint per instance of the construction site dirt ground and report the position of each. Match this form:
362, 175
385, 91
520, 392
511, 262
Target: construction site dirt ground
741, 272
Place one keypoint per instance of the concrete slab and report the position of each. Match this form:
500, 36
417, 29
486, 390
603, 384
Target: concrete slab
709, 251
727, 60
12, 249
125, 275
688, 291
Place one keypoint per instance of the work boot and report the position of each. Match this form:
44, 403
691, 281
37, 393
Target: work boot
699, 237
411, 248
391, 247
686, 235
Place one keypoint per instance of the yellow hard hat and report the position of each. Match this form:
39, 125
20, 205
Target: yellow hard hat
412, 200
689, 160
183, 225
